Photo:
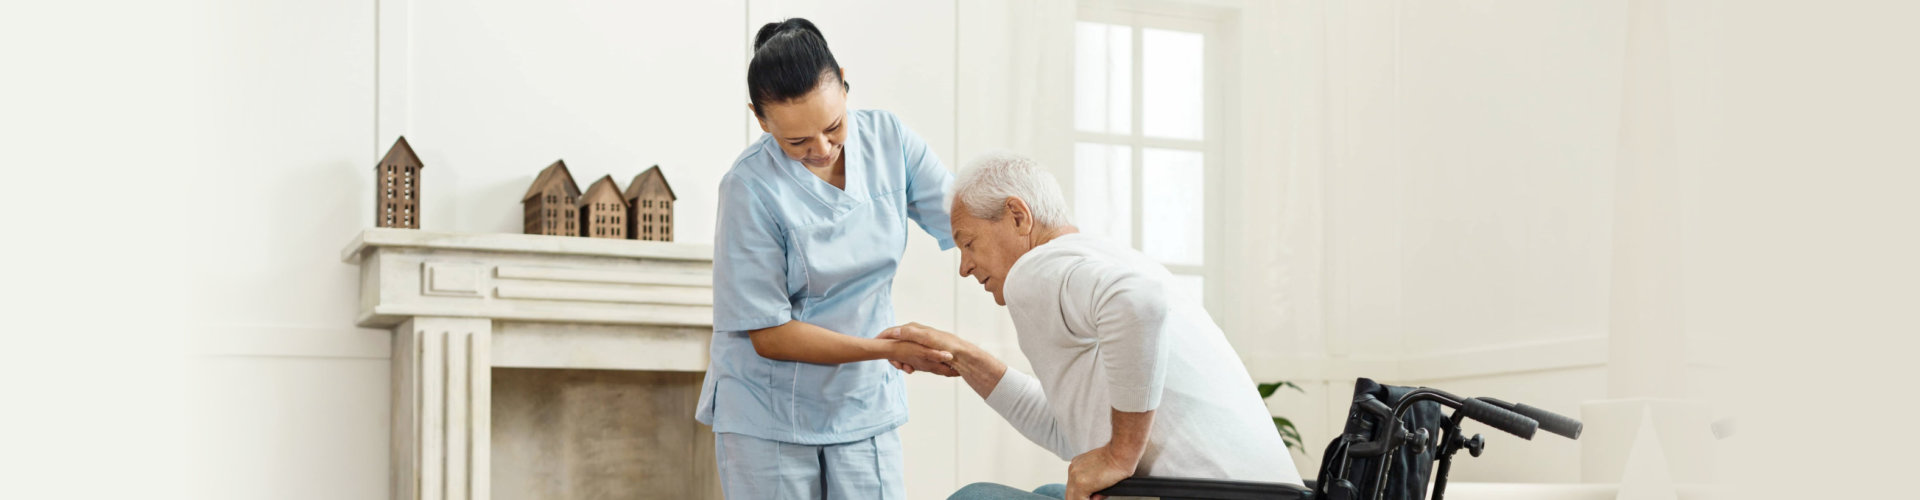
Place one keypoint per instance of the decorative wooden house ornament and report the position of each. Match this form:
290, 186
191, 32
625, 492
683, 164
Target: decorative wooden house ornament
650, 199
602, 211
551, 202
397, 203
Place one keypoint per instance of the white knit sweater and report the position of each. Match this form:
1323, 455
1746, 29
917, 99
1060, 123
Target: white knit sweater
1102, 330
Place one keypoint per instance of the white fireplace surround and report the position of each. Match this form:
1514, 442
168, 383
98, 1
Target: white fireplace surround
460, 305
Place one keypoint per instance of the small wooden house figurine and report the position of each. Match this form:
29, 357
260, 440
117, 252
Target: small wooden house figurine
550, 203
651, 201
398, 188
603, 213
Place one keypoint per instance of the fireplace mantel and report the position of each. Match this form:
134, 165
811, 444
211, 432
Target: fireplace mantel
461, 304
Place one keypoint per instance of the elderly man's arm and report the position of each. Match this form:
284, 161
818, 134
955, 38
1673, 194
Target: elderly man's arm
1128, 311
1016, 396
1102, 467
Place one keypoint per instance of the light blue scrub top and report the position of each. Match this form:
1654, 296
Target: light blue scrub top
790, 246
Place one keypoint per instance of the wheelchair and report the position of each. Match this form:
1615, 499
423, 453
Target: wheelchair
1393, 437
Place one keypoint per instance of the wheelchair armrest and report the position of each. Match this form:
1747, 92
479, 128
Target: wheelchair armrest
1180, 488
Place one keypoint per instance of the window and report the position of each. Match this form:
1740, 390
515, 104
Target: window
1142, 135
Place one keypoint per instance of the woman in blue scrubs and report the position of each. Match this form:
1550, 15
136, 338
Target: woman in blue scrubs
813, 220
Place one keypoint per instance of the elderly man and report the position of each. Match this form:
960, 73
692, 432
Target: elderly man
1129, 379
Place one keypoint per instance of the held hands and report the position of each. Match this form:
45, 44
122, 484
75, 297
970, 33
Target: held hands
911, 357
926, 338
1094, 471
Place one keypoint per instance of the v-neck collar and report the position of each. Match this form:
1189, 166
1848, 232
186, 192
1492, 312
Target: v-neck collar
823, 191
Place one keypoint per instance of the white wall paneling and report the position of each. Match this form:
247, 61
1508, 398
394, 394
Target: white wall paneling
496, 90
289, 399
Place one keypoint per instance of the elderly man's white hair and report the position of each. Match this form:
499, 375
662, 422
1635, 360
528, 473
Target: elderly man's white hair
990, 179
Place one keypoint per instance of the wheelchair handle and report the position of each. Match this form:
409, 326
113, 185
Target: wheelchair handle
1493, 415
1549, 421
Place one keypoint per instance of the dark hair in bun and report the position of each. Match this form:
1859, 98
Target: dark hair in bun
790, 59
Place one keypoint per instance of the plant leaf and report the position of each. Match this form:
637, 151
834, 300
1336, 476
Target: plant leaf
1267, 389
1289, 435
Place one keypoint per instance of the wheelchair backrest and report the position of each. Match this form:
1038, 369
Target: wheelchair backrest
1409, 466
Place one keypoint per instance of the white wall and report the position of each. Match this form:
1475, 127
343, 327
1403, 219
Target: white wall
290, 398
99, 134
1472, 209
1464, 189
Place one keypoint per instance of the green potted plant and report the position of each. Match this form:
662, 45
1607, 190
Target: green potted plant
1288, 433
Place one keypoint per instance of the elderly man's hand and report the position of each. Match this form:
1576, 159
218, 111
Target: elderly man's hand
1094, 471
982, 371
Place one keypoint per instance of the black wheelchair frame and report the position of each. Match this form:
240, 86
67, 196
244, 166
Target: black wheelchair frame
1385, 453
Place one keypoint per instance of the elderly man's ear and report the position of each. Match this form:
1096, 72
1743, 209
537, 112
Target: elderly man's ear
1022, 218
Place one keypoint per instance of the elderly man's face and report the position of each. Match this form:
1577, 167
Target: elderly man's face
988, 248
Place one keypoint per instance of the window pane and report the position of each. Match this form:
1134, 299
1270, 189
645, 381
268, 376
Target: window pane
1103, 78
1172, 76
1173, 215
1192, 286
1103, 190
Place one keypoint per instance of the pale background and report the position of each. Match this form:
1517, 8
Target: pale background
1417, 191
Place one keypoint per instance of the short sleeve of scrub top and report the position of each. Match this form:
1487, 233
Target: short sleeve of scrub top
789, 246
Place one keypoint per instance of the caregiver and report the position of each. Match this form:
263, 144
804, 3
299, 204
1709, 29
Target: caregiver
812, 224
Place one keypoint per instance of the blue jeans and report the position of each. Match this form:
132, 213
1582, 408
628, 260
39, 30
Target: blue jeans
991, 491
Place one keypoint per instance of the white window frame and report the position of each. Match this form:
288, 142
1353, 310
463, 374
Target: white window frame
1217, 141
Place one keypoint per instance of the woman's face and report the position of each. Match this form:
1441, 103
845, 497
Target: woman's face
813, 128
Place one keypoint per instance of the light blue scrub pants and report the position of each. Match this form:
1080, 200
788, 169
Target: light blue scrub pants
758, 469
992, 491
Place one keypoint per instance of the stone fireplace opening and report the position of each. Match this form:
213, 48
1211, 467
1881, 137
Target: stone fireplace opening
594, 434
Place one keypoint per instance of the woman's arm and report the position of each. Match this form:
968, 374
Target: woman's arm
928, 183
805, 342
